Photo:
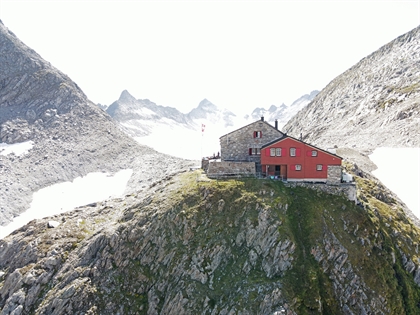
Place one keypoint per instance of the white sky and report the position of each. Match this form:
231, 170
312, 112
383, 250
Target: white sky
238, 54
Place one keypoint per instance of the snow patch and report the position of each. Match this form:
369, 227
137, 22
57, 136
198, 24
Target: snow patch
62, 197
16, 148
399, 170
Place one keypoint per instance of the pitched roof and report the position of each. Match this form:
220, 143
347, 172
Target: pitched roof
308, 144
257, 121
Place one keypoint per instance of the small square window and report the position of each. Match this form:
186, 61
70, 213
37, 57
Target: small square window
254, 151
257, 134
298, 167
314, 153
319, 167
292, 151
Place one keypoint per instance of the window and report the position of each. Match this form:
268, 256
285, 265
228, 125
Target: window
254, 151
292, 151
319, 167
257, 134
314, 153
275, 151
298, 167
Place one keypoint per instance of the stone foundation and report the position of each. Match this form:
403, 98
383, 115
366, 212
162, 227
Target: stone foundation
228, 169
348, 190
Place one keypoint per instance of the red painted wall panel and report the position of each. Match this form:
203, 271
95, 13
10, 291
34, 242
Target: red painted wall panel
306, 160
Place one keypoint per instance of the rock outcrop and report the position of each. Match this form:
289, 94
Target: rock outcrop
189, 246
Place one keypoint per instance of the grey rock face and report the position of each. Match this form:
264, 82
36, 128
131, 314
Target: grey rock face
374, 103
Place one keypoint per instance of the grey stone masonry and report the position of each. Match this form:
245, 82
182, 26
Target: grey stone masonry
334, 175
347, 190
226, 169
236, 145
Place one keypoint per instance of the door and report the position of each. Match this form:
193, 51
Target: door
277, 170
283, 172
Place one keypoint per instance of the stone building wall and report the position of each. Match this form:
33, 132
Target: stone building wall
235, 146
226, 169
334, 175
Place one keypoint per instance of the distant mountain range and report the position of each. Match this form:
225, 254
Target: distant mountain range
154, 124
283, 113
141, 117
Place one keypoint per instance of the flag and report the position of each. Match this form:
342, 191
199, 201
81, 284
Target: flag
203, 126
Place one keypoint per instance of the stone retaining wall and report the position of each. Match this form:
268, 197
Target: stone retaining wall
346, 189
226, 169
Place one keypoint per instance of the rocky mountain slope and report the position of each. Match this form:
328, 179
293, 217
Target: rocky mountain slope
375, 103
71, 136
217, 247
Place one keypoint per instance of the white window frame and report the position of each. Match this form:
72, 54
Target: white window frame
272, 151
314, 153
319, 167
298, 167
258, 134
278, 151
292, 151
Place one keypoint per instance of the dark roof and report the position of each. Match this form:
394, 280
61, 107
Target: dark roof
286, 136
257, 121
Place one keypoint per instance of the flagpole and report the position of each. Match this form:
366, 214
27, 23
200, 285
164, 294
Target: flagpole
203, 126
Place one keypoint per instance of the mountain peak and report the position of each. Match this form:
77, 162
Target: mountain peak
126, 97
205, 103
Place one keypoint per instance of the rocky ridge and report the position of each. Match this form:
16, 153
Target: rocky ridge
373, 104
71, 136
195, 246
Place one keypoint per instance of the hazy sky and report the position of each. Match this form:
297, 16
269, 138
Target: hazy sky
238, 54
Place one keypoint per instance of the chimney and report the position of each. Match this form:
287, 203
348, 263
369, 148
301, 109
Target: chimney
276, 124
262, 118
300, 137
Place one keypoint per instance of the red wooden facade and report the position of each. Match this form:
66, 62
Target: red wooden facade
290, 159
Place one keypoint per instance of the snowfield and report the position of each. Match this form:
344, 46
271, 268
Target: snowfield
399, 170
16, 148
62, 197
